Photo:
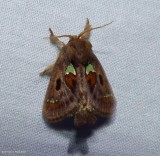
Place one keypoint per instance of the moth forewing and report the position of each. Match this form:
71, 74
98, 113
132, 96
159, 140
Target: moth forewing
101, 93
59, 100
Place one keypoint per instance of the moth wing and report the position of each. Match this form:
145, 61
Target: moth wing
59, 100
102, 98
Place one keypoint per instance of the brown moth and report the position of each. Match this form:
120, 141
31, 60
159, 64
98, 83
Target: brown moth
78, 85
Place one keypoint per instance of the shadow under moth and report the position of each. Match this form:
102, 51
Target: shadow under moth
78, 85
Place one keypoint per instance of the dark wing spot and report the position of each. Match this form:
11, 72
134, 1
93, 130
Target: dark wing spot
94, 96
58, 84
67, 102
101, 79
71, 99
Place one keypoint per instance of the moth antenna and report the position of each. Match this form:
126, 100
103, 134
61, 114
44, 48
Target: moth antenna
83, 32
70, 36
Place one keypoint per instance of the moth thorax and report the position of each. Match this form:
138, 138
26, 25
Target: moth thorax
79, 50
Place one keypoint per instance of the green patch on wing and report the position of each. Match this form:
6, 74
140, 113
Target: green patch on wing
89, 68
52, 100
107, 95
70, 69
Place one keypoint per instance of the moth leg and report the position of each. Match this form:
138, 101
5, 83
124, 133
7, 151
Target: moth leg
54, 39
47, 70
86, 28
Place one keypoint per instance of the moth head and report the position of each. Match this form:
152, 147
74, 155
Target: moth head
79, 49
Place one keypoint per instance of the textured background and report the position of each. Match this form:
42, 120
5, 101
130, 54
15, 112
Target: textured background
129, 51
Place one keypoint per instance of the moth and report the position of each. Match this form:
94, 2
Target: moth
78, 85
